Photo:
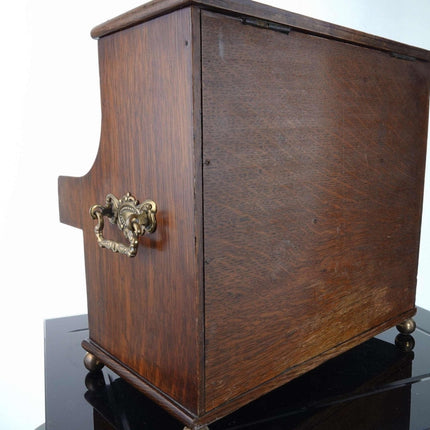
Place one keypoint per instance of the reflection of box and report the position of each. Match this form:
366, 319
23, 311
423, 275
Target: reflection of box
286, 160
364, 388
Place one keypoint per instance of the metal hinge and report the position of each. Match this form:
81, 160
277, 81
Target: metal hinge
260, 23
402, 56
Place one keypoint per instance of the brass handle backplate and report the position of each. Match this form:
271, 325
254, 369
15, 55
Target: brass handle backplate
132, 218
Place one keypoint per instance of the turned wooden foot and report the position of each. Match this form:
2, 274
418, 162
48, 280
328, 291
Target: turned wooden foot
92, 363
407, 327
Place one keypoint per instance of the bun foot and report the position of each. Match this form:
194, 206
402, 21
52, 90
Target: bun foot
405, 342
94, 381
92, 363
407, 327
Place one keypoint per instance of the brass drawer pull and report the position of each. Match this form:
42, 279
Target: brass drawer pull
132, 218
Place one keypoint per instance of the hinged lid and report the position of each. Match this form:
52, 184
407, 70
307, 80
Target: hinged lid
248, 8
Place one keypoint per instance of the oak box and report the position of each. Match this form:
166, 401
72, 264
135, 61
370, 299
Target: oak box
262, 173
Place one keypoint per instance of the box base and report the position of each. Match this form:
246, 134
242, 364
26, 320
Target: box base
195, 422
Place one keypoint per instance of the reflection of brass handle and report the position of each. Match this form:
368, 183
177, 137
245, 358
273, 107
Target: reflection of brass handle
132, 218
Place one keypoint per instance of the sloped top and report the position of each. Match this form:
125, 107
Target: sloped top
248, 8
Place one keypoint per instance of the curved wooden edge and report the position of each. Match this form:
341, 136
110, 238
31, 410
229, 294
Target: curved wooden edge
69, 196
196, 422
258, 10
138, 15
152, 392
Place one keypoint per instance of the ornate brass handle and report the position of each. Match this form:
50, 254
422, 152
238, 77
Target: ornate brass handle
132, 218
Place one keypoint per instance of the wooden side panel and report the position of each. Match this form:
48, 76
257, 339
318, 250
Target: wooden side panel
314, 154
145, 311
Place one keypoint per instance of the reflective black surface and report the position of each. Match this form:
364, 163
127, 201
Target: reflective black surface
373, 386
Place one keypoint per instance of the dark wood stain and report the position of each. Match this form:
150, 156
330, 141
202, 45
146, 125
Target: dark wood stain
312, 198
198, 191
144, 310
288, 171
173, 407
247, 8
197, 422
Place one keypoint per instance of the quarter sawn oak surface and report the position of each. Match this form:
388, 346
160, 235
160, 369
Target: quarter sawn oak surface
145, 311
288, 170
312, 199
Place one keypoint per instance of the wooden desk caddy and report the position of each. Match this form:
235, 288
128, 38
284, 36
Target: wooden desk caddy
279, 165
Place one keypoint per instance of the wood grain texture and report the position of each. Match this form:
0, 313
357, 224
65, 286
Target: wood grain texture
198, 187
249, 8
197, 422
145, 310
294, 372
314, 163
170, 405
288, 171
